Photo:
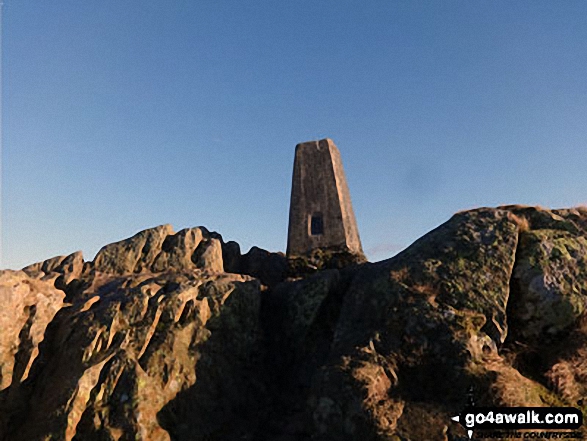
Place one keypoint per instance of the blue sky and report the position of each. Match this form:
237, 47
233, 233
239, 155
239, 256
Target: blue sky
119, 116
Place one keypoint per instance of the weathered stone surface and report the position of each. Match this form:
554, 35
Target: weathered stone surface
69, 267
164, 345
302, 301
43, 267
28, 306
177, 250
145, 354
416, 322
270, 268
159, 249
231, 257
209, 255
323, 259
320, 190
549, 277
134, 254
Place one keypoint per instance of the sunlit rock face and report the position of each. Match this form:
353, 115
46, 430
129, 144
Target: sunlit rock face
28, 306
179, 336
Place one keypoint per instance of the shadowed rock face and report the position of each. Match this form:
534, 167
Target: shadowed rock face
178, 336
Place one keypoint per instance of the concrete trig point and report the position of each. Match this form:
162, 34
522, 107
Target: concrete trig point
321, 214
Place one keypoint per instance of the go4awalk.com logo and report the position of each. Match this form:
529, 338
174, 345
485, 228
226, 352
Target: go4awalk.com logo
557, 422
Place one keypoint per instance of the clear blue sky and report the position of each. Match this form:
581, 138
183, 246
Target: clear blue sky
123, 115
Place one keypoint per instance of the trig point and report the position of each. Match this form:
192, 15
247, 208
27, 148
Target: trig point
320, 214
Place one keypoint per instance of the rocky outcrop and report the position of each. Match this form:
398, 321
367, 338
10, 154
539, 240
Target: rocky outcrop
134, 254
549, 278
178, 336
28, 306
377, 347
323, 259
430, 313
160, 249
66, 268
139, 353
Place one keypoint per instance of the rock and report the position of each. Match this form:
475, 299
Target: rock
549, 276
177, 250
301, 302
231, 257
270, 268
159, 249
44, 267
69, 267
159, 343
208, 255
566, 373
414, 317
174, 355
323, 259
28, 306
134, 254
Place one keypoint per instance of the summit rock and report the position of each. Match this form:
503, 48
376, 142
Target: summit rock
180, 336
